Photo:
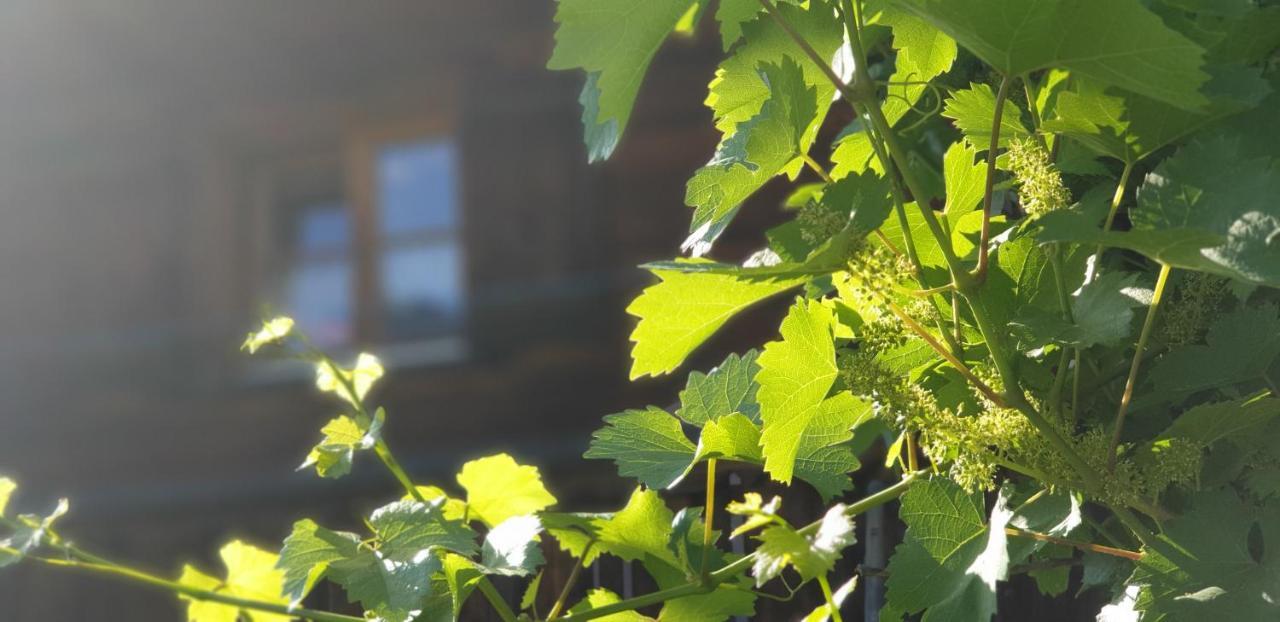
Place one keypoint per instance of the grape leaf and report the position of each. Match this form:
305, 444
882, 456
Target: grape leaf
649, 445
406, 527
272, 332
460, 578
7, 486
307, 553
795, 376
1204, 186
684, 309
332, 456
1203, 566
1116, 42
340, 381
251, 574
30, 531
737, 93
974, 109
732, 14
512, 548
1202, 209
733, 437
613, 41
1232, 420
640, 531
600, 597
759, 148
499, 488
951, 558
812, 556
1130, 127
393, 590
965, 180
1241, 345
1102, 313
728, 388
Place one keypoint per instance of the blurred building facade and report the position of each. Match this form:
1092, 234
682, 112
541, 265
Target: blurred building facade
403, 176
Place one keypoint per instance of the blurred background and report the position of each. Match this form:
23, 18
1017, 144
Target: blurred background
402, 176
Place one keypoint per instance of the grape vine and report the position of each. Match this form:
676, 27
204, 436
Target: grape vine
1050, 293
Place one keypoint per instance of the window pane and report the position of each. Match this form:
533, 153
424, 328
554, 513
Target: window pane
422, 286
417, 187
323, 226
319, 299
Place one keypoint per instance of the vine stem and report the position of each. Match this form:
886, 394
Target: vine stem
79, 559
136, 576
1132, 380
563, 598
737, 567
1084, 546
388, 459
985, 237
709, 511
832, 608
942, 351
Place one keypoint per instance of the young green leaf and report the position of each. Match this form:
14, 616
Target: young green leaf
7, 486
512, 547
251, 574
330, 378
343, 437
811, 556
951, 558
974, 109
393, 590
499, 488
796, 374
649, 445
307, 553
406, 527
613, 41
30, 533
600, 597
272, 331
728, 388
684, 309
759, 148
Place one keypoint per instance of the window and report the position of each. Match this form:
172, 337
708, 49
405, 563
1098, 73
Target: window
319, 278
372, 252
420, 259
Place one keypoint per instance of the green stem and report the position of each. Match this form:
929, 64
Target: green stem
1054, 253
1036, 121
389, 460
832, 608
985, 237
737, 567
1077, 544
1116, 199
563, 598
1132, 380
708, 514
495, 599
136, 576
816, 168
79, 559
